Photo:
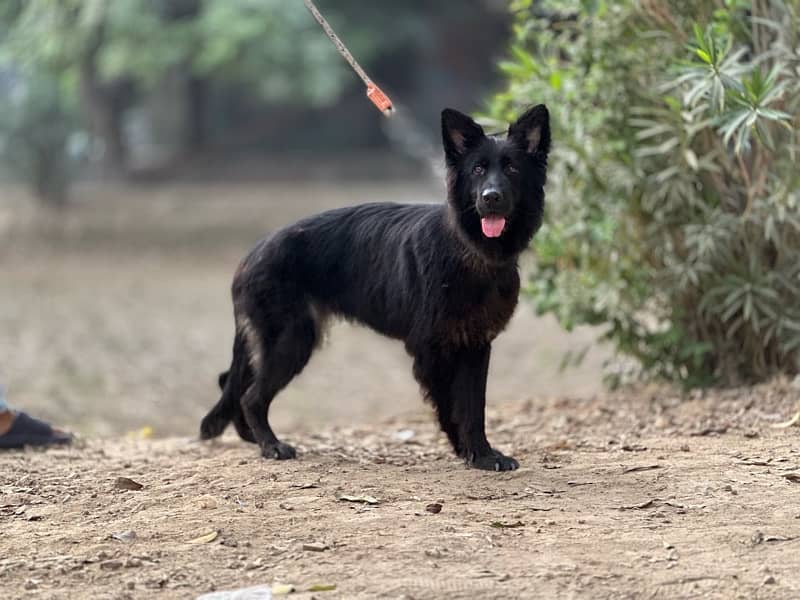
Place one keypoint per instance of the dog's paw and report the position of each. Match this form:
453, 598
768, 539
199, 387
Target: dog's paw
493, 461
278, 450
211, 427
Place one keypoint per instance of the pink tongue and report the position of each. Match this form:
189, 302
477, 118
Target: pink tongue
492, 226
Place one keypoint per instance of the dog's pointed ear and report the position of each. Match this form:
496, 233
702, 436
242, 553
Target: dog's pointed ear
531, 131
459, 134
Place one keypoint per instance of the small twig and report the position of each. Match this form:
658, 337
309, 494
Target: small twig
747, 181
683, 580
762, 174
639, 468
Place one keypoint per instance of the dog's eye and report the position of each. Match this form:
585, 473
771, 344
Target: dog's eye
512, 169
479, 169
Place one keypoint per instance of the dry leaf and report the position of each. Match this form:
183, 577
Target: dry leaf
261, 592
754, 462
711, 430
640, 468
206, 538
206, 501
502, 525
640, 506
124, 536
145, 433
126, 483
362, 499
793, 422
633, 448
404, 435
315, 547
281, 589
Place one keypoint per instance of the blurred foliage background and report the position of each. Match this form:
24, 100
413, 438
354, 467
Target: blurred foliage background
674, 199
673, 220
140, 85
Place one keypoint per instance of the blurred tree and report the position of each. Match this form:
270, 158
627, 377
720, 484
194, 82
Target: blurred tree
199, 70
113, 52
39, 136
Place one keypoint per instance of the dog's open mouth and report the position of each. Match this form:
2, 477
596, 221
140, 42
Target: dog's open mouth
493, 226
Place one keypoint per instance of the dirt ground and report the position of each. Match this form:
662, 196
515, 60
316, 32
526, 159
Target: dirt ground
639, 495
115, 316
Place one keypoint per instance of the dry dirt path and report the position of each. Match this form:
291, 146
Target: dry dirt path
641, 495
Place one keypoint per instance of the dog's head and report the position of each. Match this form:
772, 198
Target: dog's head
496, 183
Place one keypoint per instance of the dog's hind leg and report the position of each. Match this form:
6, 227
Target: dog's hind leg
239, 423
227, 409
241, 426
218, 418
275, 358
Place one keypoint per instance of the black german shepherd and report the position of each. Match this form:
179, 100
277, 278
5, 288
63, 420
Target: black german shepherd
443, 278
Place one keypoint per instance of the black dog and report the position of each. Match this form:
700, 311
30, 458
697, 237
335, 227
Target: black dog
442, 278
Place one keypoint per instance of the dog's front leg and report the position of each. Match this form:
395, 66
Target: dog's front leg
469, 411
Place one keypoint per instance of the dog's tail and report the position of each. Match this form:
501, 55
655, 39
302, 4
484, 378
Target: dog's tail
233, 383
222, 379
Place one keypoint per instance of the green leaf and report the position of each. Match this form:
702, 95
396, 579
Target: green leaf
704, 56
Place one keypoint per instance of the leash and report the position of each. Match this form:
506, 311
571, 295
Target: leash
374, 93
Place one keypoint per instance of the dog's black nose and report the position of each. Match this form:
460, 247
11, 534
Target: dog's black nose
491, 196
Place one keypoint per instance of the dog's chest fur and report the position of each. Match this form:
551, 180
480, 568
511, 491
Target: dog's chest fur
478, 307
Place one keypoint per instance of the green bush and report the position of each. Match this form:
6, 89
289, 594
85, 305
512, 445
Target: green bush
673, 215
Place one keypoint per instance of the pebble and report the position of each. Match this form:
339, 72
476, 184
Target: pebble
111, 565
434, 508
315, 547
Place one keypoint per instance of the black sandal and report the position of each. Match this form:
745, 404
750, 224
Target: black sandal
27, 431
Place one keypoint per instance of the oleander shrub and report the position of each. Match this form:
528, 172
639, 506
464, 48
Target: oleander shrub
673, 217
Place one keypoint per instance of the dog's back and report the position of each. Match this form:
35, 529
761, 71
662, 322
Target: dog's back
366, 263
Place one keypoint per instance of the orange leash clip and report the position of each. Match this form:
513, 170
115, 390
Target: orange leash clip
374, 93
380, 99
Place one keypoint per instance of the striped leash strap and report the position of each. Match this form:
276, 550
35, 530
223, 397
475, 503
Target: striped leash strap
374, 93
